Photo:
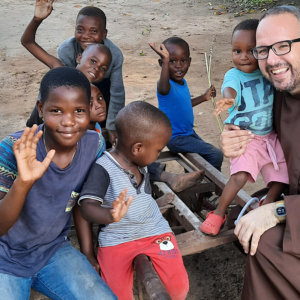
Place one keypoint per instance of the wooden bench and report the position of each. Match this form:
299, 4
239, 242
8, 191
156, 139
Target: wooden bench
191, 240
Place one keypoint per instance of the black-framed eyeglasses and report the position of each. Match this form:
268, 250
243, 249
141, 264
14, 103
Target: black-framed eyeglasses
279, 48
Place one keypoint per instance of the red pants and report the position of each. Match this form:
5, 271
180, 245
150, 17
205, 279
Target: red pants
116, 263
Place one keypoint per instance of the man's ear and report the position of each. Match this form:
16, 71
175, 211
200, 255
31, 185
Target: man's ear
78, 58
39, 107
137, 148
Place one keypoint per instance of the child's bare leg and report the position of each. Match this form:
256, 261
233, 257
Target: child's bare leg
165, 199
232, 187
276, 188
180, 182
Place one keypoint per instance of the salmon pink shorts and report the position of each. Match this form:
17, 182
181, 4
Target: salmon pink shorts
262, 155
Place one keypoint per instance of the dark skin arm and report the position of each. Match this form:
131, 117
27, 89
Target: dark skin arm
163, 84
93, 212
209, 93
85, 237
29, 171
43, 9
226, 102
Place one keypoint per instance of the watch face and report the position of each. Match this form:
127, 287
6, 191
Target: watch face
280, 211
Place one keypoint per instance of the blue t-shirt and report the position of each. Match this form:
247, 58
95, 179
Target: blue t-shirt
253, 106
177, 105
44, 222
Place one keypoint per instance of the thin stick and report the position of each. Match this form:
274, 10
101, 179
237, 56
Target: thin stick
208, 70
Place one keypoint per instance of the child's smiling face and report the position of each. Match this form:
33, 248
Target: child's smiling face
66, 116
89, 30
179, 62
243, 41
93, 63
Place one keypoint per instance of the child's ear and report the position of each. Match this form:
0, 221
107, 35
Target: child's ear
104, 33
78, 58
39, 107
160, 62
190, 59
137, 148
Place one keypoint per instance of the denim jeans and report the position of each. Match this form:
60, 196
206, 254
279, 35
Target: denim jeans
194, 144
67, 275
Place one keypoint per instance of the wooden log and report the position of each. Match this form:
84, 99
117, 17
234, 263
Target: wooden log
152, 283
195, 241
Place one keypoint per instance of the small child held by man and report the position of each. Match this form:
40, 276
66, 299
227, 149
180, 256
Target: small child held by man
249, 97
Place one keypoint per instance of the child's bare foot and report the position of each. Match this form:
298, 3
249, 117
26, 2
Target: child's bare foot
180, 182
165, 200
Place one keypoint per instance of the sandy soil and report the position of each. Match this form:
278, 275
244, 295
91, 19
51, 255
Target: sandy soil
214, 274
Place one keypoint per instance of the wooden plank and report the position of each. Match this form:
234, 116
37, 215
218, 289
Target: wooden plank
152, 283
189, 220
195, 241
217, 177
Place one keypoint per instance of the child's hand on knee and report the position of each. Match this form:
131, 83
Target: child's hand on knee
120, 206
43, 9
29, 168
223, 105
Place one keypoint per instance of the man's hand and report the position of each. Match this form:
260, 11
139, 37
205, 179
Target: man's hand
223, 105
210, 93
120, 206
29, 168
43, 9
161, 51
233, 140
253, 225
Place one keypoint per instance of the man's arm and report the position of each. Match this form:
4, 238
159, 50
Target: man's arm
43, 9
29, 171
163, 84
250, 227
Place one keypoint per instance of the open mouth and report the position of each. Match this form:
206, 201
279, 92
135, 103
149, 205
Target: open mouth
279, 71
92, 74
178, 73
85, 44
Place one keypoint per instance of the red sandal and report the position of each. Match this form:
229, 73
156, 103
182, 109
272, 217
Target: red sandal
212, 224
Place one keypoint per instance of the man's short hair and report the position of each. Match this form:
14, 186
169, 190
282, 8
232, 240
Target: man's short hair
92, 11
177, 41
278, 10
64, 76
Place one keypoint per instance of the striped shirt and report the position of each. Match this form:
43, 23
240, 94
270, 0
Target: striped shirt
105, 182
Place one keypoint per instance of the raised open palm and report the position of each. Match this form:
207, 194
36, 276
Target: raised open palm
29, 168
43, 8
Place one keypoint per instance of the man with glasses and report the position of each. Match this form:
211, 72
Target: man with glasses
271, 233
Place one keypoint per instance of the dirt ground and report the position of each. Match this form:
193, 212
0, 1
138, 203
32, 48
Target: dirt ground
216, 273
